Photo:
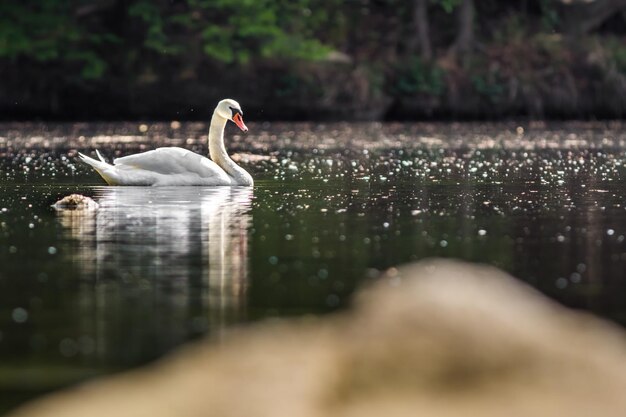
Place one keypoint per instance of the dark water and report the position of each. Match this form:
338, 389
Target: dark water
90, 293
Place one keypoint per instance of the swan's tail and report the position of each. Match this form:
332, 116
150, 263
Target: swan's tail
102, 167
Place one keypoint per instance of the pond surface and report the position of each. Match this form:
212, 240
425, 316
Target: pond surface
90, 293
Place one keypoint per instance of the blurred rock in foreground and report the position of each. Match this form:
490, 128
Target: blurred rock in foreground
437, 338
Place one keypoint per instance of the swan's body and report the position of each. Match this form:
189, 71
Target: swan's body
178, 166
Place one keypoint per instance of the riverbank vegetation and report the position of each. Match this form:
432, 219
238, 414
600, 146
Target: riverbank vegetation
313, 59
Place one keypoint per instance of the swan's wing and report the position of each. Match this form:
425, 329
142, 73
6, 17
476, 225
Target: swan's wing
168, 161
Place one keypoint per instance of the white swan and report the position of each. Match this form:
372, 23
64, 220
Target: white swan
178, 166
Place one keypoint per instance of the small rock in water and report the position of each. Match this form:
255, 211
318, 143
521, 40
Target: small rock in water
75, 202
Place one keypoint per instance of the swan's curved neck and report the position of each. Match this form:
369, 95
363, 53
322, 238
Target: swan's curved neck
218, 154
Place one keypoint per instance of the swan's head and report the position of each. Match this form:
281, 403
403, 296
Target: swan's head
229, 109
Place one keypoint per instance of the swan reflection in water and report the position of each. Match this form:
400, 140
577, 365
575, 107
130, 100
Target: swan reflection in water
167, 263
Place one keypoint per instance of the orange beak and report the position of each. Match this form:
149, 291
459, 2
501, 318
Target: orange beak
239, 122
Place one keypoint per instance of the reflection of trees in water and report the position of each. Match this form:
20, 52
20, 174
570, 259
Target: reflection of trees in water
166, 263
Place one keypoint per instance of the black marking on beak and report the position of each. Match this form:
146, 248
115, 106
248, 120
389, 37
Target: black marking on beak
235, 111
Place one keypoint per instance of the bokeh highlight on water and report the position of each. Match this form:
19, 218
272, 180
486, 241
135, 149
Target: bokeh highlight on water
89, 293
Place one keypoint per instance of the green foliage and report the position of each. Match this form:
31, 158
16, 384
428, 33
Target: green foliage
512, 29
234, 32
447, 5
259, 29
47, 31
616, 49
550, 18
293, 85
51, 31
148, 43
37, 31
488, 86
93, 66
155, 37
419, 77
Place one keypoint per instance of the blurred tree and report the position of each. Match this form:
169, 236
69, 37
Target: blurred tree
582, 16
56, 51
465, 35
421, 41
